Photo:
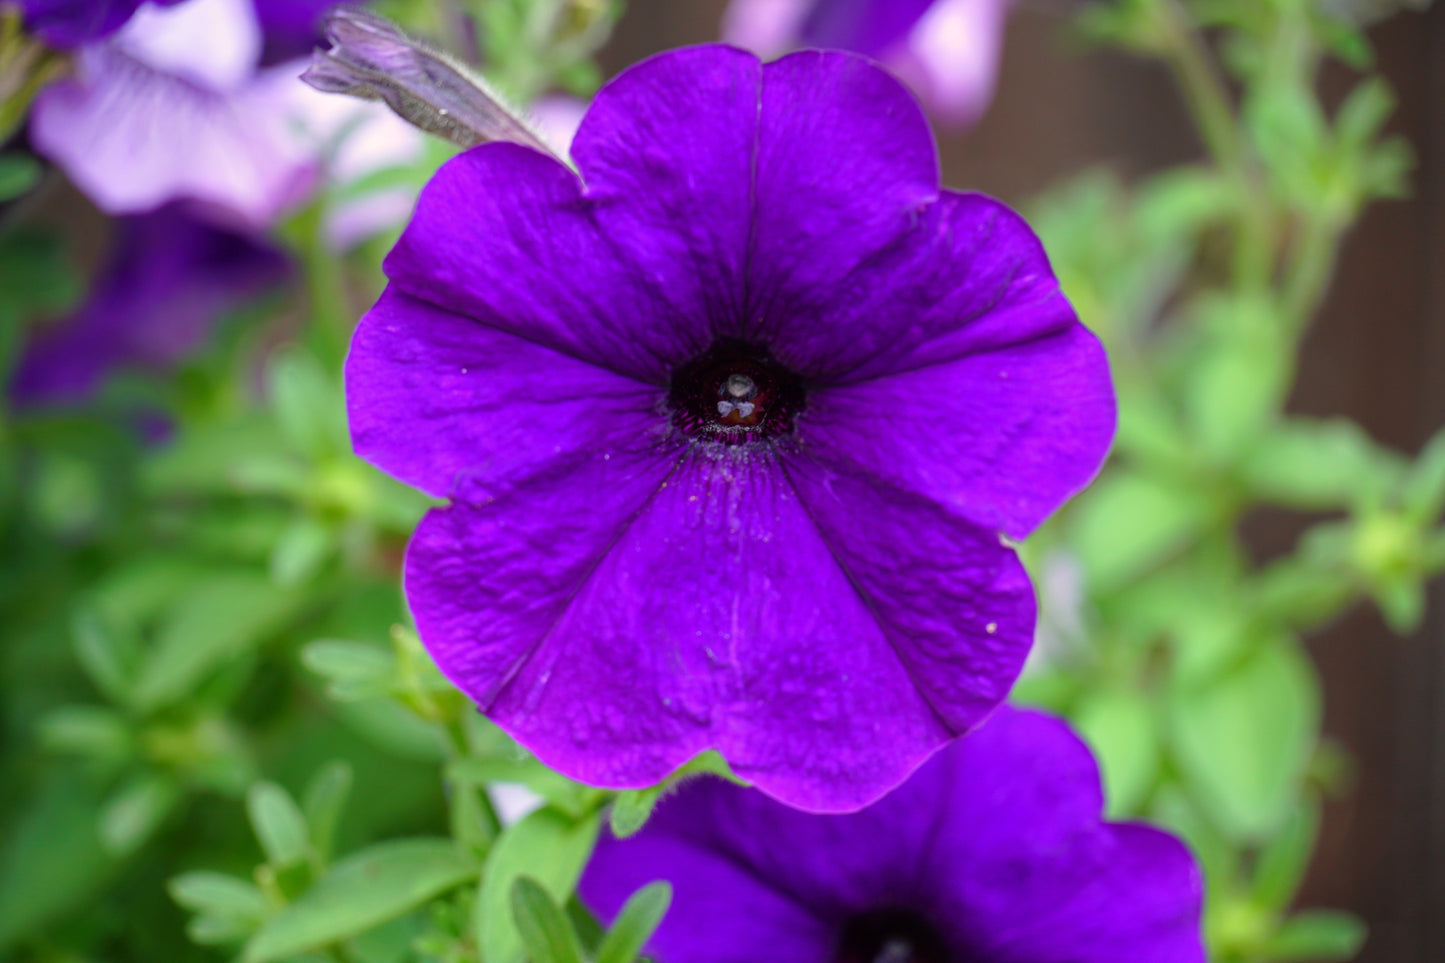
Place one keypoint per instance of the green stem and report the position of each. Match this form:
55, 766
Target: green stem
474, 821
1311, 267
1204, 91
1209, 103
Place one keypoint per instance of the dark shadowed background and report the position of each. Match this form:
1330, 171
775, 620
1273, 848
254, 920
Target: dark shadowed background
1377, 355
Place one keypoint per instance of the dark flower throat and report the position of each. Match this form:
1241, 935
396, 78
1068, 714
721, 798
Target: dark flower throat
890, 936
734, 394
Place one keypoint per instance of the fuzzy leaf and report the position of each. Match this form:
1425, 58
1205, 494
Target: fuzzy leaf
322, 803
1244, 740
1118, 724
635, 924
225, 616
280, 827
551, 847
218, 895
363, 891
546, 932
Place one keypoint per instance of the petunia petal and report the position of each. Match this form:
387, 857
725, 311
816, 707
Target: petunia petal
996, 842
845, 165
1046, 878
954, 603
433, 395
667, 151
867, 26
717, 618
67, 24
168, 279
640, 273
1002, 437
133, 138
951, 57
813, 686
763, 923
490, 576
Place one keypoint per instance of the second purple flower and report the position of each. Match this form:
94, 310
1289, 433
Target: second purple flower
731, 420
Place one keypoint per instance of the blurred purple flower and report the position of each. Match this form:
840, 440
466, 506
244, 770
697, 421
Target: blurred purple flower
946, 50
172, 107
730, 419
557, 117
994, 850
292, 28
176, 107
170, 277
66, 24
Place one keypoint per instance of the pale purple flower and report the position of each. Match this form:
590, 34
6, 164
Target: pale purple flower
557, 117
731, 419
170, 277
176, 106
172, 107
946, 50
993, 852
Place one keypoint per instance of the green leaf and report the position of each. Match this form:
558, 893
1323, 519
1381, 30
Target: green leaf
1288, 128
1236, 380
136, 811
38, 278
279, 825
1424, 494
219, 895
1317, 936
18, 174
218, 931
226, 616
1301, 592
555, 788
1118, 724
1363, 114
308, 404
551, 847
87, 731
323, 801
1244, 740
300, 551
363, 891
52, 859
1182, 201
353, 670
210, 459
1282, 863
107, 654
635, 924
1319, 465
1401, 599
1130, 523
633, 807
631, 810
546, 933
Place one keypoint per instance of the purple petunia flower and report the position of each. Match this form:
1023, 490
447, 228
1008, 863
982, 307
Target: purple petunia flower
170, 277
730, 418
946, 50
993, 851
67, 24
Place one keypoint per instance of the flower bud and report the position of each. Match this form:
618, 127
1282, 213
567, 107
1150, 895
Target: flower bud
371, 58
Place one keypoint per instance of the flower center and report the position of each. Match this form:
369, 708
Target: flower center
734, 394
890, 936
